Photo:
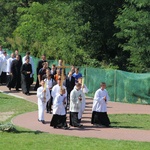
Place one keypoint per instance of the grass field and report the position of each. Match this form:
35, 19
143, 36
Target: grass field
25, 139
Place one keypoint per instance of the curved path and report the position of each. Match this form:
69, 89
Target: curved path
29, 121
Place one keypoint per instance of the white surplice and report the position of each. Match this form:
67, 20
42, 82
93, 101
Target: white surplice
9, 62
41, 103
56, 90
58, 105
82, 108
99, 104
75, 103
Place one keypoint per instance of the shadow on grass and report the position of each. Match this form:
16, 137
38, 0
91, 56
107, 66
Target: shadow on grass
16, 131
118, 125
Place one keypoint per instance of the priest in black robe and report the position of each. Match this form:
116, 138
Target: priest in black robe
26, 70
15, 74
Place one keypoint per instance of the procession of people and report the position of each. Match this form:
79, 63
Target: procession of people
58, 92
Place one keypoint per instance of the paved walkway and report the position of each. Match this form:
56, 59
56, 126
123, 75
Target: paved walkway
29, 121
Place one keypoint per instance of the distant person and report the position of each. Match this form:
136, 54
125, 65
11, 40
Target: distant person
59, 112
99, 109
77, 75
70, 83
3, 64
9, 74
39, 66
76, 97
31, 62
26, 71
15, 74
43, 95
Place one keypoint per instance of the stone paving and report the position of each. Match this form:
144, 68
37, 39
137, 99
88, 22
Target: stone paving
29, 120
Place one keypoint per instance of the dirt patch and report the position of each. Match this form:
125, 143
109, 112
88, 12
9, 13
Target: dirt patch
5, 115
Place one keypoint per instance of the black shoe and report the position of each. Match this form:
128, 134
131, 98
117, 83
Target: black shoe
50, 112
39, 120
66, 128
47, 111
43, 121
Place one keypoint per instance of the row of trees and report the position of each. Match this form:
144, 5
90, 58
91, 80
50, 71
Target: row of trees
114, 34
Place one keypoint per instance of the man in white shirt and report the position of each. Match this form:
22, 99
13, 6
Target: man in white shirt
99, 110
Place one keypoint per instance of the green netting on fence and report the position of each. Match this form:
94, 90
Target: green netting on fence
122, 86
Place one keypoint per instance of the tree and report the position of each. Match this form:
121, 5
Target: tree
133, 22
54, 28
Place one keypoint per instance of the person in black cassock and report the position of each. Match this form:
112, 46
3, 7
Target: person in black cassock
70, 83
39, 66
26, 70
15, 73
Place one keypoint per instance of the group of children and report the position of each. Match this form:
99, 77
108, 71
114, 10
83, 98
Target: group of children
76, 104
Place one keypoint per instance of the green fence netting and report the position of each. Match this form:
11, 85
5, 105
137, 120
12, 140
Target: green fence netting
122, 86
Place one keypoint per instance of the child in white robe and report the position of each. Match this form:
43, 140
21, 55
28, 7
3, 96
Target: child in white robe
99, 110
59, 112
43, 95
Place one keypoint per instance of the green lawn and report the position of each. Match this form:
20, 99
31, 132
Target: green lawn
25, 139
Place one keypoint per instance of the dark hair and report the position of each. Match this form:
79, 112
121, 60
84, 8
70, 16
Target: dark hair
27, 53
27, 57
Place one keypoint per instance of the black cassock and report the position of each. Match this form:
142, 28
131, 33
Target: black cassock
25, 78
15, 80
39, 66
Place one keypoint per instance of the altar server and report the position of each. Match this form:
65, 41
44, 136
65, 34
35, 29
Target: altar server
43, 95
99, 110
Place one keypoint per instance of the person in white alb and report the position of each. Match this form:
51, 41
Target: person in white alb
99, 109
59, 111
76, 97
56, 88
82, 108
43, 95
9, 74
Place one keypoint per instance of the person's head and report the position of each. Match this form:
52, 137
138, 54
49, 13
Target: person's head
17, 57
48, 72
4, 53
12, 55
73, 68
59, 80
60, 62
53, 67
42, 82
58, 71
27, 53
103, 85
44, 57
27, 59
70, 74
62, 91
44, 65
80, 80
48, 76
78, 86
76, 70
16, 52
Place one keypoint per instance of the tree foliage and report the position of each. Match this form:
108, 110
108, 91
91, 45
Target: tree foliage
134, 24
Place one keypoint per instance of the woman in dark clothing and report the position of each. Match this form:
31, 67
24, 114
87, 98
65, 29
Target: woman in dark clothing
26, 71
